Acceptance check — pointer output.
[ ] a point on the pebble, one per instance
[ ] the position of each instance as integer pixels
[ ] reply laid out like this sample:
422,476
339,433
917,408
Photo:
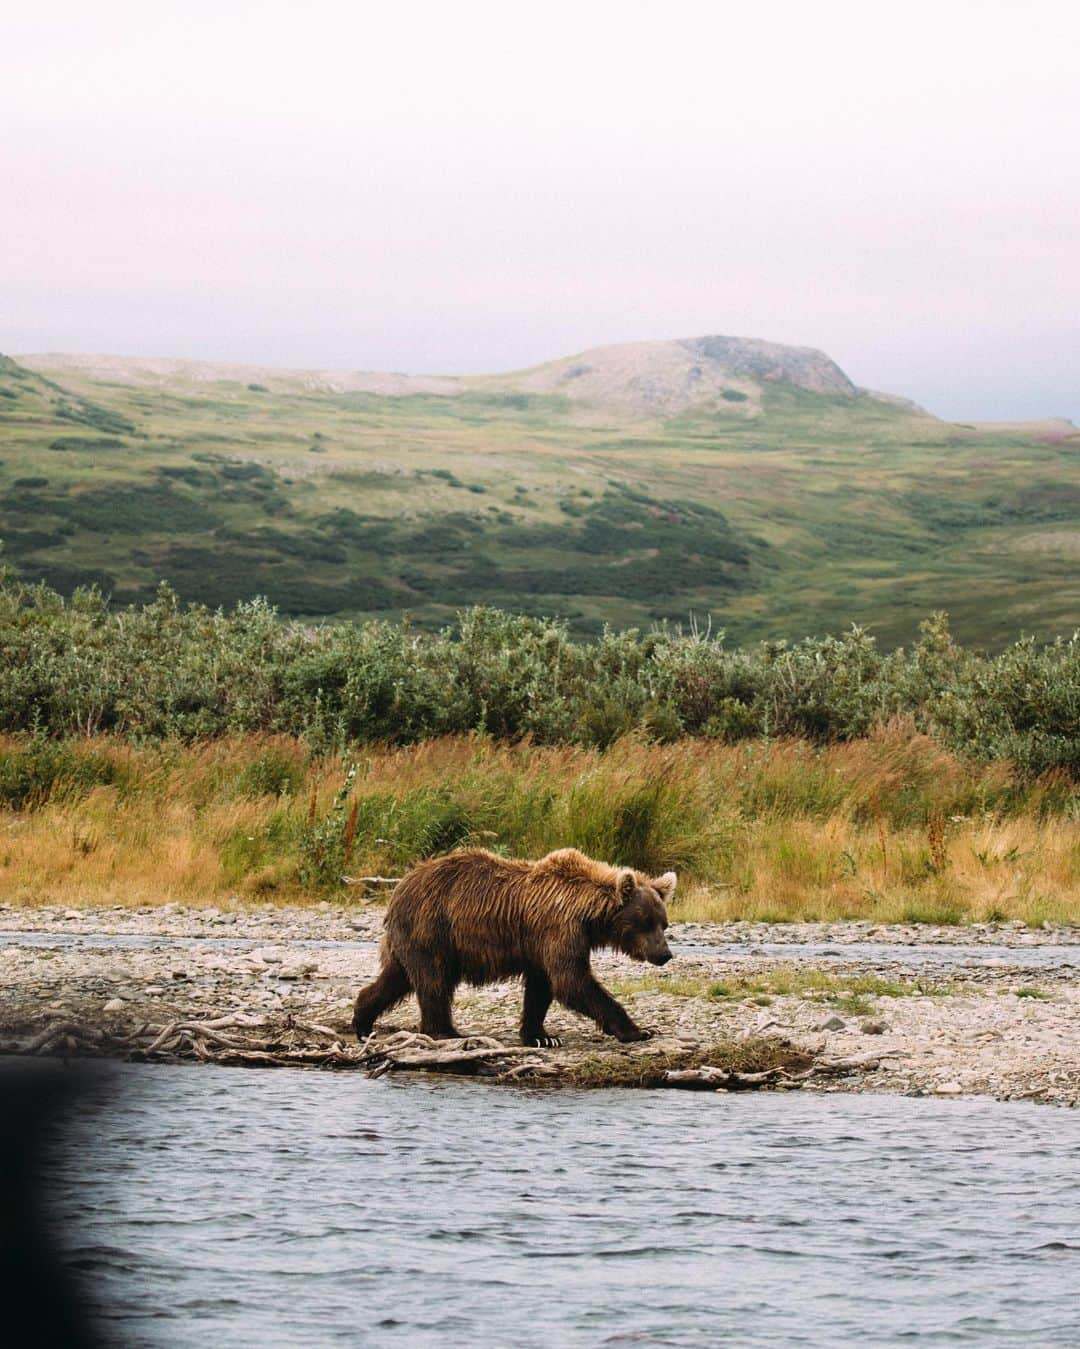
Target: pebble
153,991
297,969
948,1089
874,1028
833,1023
114,1005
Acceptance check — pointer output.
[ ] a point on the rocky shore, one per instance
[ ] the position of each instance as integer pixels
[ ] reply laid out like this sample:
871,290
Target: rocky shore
990,1010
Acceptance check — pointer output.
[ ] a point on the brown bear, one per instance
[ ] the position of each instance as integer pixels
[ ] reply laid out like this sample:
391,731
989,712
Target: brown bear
478,918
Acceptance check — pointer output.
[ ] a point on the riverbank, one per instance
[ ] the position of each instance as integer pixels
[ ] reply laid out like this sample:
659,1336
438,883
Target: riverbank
988,1010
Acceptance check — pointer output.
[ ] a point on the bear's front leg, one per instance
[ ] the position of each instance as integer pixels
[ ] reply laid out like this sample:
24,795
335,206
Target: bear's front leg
537,1002
581,991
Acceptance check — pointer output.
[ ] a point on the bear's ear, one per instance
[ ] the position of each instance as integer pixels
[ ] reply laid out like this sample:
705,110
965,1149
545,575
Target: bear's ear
625,886
665,885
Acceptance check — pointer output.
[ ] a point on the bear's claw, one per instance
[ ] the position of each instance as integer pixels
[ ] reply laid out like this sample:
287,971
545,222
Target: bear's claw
546,1042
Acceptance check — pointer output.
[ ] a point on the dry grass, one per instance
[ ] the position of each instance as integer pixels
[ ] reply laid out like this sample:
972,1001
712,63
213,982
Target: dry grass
892,828
990,869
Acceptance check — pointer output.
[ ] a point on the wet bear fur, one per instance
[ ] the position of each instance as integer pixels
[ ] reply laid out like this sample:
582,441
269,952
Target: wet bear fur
476,918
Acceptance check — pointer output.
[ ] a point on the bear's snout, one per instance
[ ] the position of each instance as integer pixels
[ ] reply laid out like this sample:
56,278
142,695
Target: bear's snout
661,957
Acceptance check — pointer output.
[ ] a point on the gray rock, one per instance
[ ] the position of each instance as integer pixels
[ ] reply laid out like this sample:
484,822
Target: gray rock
297,969
873,1027
833,1023
114,1005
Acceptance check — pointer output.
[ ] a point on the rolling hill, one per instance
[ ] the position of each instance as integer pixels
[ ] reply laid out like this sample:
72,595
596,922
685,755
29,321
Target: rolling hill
740,480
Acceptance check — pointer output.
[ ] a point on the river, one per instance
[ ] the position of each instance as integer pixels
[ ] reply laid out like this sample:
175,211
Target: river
231,1207
1045,956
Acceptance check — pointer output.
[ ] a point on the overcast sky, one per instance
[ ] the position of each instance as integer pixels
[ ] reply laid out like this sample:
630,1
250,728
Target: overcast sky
468,187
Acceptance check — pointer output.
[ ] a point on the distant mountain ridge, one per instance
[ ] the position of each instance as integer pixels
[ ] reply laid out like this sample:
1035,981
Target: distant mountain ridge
659,378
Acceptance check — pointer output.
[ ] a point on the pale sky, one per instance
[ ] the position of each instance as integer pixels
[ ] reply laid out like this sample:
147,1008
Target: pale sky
464,187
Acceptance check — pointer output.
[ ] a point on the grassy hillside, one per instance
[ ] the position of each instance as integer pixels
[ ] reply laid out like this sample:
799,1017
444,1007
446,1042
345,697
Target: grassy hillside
776,510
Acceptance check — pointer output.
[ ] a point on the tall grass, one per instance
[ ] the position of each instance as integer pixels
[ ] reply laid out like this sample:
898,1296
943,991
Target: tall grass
891,827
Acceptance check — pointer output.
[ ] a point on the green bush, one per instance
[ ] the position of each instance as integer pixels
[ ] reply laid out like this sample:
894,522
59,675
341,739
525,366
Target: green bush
163,669
87,443
44,770
271,774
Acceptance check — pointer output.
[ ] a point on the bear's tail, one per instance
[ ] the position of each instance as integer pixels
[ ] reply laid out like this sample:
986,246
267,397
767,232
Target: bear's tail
388,989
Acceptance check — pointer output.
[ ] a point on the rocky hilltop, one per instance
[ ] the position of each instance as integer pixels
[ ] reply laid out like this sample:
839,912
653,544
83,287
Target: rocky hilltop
805,367
666,378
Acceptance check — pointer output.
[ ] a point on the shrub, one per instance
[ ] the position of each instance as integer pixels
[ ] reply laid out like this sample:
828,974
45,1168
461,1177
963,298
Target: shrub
44,770
163,669
87,443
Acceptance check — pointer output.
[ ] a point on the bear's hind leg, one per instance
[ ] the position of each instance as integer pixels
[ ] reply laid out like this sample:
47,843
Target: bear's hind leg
537,1002
388,989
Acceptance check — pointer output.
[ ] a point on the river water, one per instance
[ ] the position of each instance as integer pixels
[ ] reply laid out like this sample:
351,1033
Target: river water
1050,957
232,1207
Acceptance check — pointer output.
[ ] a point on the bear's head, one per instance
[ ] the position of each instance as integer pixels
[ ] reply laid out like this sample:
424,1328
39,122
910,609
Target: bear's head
641,920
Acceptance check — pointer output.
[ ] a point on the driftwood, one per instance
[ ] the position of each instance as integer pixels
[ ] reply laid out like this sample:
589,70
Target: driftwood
411,1051
279,1043
270,1042
709,1078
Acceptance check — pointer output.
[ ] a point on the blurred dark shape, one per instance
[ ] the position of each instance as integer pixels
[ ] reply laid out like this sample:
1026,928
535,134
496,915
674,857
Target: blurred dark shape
41,1303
